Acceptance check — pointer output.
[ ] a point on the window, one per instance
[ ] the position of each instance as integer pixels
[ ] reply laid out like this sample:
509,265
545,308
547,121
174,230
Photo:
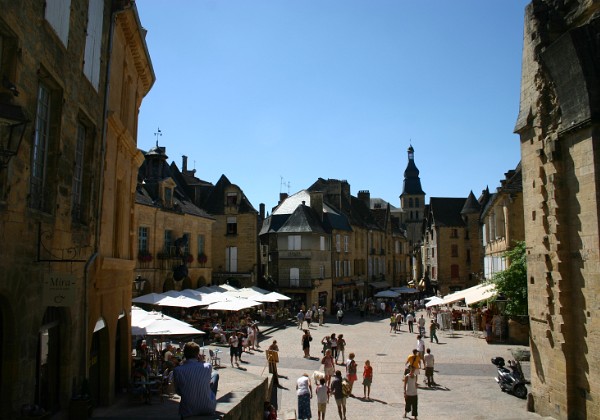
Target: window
346,242
432,252
78,172
231,259
468,255
39,152
168,241
295,277
231,226
201,243
433,273
294,242
322,243
168,197
410,202
186,246
58,14
322,271
338,245
416,202
337,268
93,42
142,239
454,233
231,199
454,250
454,271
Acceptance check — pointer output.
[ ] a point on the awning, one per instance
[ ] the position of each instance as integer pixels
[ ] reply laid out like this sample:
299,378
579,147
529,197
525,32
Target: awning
379,284
462,294
483,293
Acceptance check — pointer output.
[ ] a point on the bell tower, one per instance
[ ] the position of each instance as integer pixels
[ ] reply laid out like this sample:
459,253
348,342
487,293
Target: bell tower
412,200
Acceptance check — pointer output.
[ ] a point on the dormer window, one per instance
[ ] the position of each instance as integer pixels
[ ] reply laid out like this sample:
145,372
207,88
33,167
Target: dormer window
168,196
232,199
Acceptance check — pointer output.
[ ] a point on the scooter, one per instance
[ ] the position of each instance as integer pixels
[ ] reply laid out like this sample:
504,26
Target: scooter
511,381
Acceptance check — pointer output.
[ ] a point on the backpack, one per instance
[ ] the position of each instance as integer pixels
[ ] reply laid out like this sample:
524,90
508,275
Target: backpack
345,388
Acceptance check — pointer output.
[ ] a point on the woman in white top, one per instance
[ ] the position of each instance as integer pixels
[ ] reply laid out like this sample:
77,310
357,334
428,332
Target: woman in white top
304,392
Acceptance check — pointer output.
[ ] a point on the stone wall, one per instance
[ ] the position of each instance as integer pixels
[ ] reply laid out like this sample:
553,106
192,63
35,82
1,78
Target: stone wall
558,125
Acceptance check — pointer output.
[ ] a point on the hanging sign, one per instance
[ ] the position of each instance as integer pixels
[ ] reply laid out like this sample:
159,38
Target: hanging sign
59,289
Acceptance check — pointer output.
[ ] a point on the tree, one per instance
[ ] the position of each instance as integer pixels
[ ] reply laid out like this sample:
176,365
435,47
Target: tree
512,282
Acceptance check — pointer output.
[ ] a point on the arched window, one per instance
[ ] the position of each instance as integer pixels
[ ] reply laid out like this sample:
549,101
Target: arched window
417,202
410,202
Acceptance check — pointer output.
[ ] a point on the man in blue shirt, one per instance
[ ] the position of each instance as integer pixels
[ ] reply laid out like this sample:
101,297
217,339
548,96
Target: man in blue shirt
196,383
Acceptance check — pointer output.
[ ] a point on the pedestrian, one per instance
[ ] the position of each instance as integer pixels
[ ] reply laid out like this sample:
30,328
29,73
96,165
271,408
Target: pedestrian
326,342
304,393
433,326
420,346
300,318
429,361
233,348
306,339
367,380
393,322
321,315
410,393
272,364
323,393
410,319
333,342
414,361
308,317
196,383
398,321
328,366
338,393
351,371
421,323
340,315
341,348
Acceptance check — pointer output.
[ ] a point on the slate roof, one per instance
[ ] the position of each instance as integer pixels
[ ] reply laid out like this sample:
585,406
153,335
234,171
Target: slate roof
147,190
303,220
512,184
446,211
215,201
471,205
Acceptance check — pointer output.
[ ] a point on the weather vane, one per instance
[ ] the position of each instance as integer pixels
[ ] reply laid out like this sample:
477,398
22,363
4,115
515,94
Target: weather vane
158,134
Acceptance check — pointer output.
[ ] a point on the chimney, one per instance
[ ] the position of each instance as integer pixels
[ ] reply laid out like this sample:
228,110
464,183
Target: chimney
365,197
184,164
261,211
282,197
316,203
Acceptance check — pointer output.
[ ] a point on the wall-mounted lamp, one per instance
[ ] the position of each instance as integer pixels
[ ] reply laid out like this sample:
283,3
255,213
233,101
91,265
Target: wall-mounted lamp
12,129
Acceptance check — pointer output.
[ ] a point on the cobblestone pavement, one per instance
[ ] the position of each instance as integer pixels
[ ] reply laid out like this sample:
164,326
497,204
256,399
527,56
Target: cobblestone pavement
465,375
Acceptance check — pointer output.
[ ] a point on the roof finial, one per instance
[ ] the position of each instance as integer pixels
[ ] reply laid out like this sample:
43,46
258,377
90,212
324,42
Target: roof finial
158,134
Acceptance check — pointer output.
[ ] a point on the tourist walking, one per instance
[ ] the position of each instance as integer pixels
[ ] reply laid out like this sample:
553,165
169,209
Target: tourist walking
414,361
433,327
233,348
428,362
410,393
326,342
341,347
421,323
323,393
351,371
338,393
321,315
410,319
420,346
308,317
304,393
393,322
340,315
306,339
367,380
328,366
300,318
333,342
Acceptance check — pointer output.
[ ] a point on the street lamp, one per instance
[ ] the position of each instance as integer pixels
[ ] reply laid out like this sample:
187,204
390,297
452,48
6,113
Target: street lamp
12,128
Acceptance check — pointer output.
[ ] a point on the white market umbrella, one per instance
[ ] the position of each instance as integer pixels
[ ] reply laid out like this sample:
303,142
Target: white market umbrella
227,287
405,290
387,294
268,298
165,326
433,301
180,302
233,304
172,293
483,293
257,289
150,298
204,298
280,296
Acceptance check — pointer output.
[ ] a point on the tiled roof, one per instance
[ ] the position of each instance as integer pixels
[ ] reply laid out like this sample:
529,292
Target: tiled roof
446,211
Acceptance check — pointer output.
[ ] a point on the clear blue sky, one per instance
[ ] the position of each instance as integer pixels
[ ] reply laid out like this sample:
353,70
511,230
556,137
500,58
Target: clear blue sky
302,89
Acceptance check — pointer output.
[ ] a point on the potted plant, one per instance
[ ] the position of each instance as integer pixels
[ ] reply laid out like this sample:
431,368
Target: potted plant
144,256
202,258
189,258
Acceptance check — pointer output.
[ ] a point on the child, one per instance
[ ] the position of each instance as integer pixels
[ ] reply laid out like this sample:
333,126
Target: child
367,380
322,398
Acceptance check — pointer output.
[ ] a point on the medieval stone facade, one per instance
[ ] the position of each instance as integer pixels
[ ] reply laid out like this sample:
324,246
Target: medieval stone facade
66,196
558,124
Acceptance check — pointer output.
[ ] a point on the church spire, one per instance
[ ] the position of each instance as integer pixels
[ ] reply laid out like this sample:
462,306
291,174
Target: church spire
412,182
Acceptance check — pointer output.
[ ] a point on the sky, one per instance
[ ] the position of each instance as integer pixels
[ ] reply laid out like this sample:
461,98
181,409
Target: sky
275,94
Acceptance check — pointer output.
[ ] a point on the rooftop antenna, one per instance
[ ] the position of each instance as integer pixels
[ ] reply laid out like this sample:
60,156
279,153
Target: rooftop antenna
288,186
158,134
281,184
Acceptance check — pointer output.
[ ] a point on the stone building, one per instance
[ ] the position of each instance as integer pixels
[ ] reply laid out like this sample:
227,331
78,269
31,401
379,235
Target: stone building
452,250
65,199
502,222
558,125
174,236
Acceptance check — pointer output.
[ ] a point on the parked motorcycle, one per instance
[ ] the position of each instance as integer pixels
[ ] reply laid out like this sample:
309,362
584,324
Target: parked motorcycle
512,380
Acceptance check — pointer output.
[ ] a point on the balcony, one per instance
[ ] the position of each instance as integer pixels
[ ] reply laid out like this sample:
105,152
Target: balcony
295,254
295,284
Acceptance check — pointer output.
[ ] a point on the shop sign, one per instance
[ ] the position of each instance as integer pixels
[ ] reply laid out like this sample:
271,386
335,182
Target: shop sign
59,289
